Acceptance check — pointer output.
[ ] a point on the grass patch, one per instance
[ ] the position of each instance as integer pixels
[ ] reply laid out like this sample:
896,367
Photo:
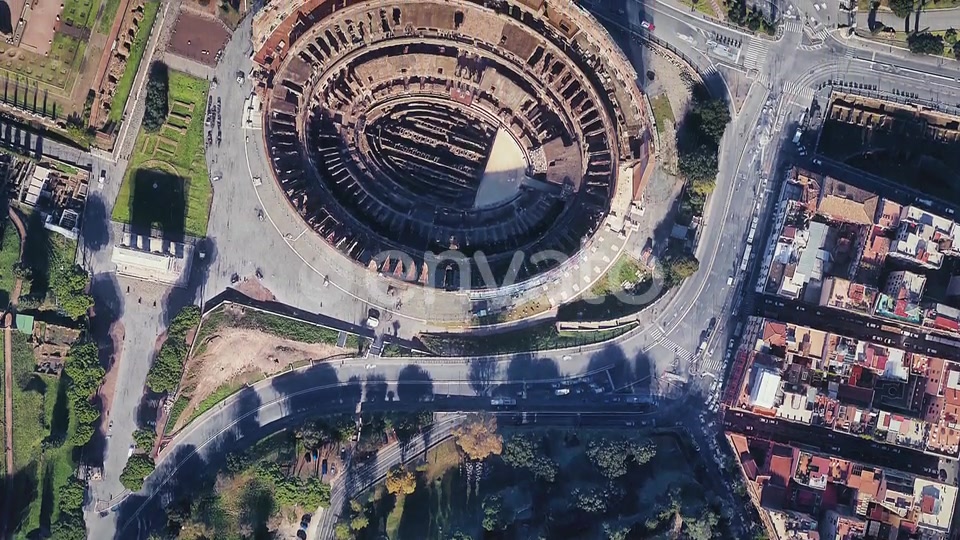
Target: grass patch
537,338
703,6
30,391
64,168
178,169
662,112
286,328
80,13
137,49
224,391
179,406
107,16
9,256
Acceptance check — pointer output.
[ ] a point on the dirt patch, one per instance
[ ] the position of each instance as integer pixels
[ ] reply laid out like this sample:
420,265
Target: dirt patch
237,356
44,21
110,381
254,289
198,38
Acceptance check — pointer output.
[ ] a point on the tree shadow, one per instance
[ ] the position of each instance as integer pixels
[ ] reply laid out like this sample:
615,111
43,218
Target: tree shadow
36,255
46,499
375,389
482,372
414,384
108,308
525,367
17,491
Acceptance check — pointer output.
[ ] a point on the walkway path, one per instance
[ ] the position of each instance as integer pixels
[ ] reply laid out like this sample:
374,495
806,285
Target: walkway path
8,366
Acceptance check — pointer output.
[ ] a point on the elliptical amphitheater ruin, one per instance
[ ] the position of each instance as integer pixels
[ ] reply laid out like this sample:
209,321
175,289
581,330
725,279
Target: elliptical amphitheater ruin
414,136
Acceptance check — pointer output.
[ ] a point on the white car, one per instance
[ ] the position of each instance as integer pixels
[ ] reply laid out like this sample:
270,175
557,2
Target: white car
103,176
130,451
370,366
566,357
816,7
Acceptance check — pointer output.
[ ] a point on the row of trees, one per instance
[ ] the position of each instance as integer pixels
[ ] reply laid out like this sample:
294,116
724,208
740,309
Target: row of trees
156,104
749,16
523,452
84,375
699,144
138,467
165,373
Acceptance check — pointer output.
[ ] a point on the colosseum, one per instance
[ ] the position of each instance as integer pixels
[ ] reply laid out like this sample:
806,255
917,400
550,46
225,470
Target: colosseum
430,139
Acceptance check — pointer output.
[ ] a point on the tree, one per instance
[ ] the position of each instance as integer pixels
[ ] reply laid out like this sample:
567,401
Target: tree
519,452
712,116
138,467
71,496
84,371
901,8
493,513
950,36
925,43
342,531
679,266
360,522
611,456
81,435
698,164
164,374
701,528
145,439
69,285
614,532
591,501
400,481
70,528
156,104
477,436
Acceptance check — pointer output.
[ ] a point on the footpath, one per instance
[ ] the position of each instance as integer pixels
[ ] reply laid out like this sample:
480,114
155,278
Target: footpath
8,366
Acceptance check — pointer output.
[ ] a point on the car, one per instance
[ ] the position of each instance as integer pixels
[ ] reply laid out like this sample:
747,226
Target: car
561,391
566,357
629,423
555,385
259,274
373,318
260,215
818,162
240,77
103,176
234,278
647,26
217,177
131,450
326,281
370,366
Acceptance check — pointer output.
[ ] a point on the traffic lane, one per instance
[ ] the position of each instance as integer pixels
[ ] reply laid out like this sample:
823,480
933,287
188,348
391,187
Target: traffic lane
827,441
850,324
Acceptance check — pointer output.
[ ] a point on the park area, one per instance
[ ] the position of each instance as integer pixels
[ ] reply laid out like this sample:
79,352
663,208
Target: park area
536,483
166,186
236,346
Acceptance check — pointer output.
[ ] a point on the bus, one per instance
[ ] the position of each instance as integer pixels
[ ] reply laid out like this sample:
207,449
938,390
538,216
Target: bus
891,329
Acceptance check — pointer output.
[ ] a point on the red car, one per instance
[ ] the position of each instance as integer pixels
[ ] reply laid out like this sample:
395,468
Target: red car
647,26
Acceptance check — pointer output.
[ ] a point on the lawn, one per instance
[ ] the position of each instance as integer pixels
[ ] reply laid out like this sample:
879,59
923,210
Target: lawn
30,392
9,255
58,70
170,189
56,465
80,13
106,18
119,102
662,112
703,6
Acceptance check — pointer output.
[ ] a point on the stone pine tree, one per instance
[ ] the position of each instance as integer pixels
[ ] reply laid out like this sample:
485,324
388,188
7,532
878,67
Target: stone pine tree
156,105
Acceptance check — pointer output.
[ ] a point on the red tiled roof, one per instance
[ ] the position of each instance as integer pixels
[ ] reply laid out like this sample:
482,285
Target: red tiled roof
945,323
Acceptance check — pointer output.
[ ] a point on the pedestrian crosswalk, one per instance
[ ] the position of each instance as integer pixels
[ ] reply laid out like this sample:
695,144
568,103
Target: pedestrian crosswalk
797,90
793,26
821,34
755,54
709,71
668,344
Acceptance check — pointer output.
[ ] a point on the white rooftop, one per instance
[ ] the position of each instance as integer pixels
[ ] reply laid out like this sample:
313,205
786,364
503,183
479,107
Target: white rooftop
766,383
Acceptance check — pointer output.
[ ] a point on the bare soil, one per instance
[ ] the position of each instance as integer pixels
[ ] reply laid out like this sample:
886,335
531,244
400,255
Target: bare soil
254,289
110,380
239,355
